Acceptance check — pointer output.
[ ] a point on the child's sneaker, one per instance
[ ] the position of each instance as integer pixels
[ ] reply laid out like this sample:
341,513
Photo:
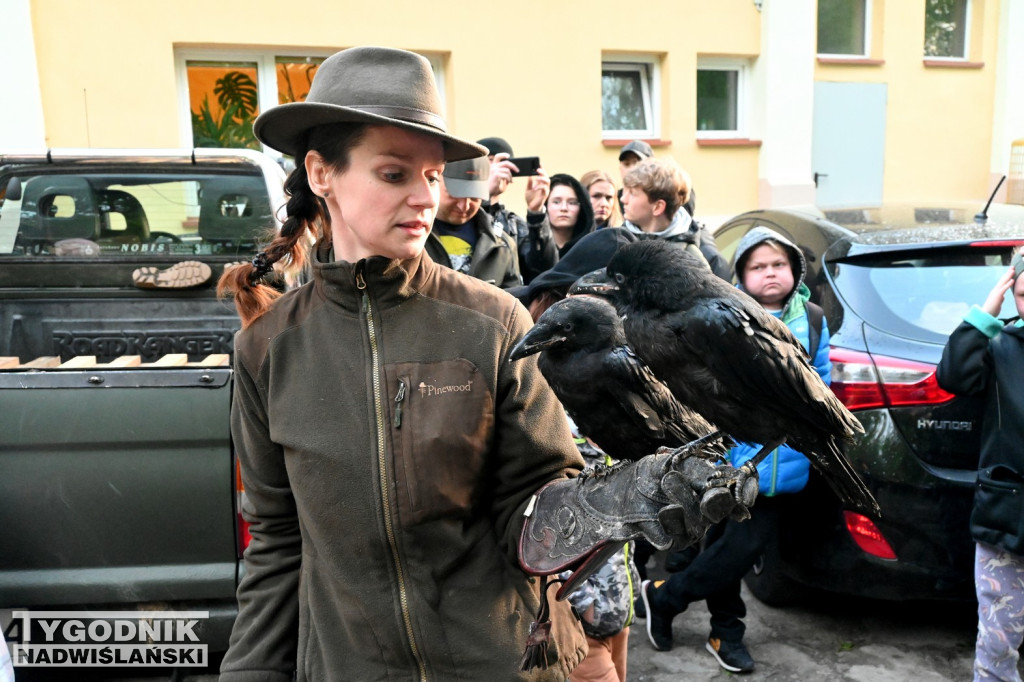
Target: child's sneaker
183,275
733,656
659,623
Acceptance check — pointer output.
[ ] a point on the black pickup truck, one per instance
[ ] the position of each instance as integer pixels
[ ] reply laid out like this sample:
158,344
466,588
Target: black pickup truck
118,484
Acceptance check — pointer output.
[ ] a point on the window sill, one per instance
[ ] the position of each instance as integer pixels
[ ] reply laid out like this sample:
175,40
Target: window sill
953,64
727,142
624,141
852,61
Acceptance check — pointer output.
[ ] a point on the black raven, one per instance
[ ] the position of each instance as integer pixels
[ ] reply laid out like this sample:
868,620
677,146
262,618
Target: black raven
724,356
612,396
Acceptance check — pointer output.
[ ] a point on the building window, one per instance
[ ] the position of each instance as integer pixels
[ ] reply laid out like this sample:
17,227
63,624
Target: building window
945,28
843,27
294,76
721,97
629,99
223,103
222,92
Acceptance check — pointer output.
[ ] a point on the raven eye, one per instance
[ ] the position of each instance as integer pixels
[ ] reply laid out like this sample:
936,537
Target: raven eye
620,278
567,326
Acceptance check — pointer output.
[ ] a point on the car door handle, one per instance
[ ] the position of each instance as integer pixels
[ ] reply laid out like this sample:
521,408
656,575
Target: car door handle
819,175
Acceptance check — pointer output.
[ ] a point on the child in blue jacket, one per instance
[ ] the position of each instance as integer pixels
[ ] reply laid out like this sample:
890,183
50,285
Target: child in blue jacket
771,269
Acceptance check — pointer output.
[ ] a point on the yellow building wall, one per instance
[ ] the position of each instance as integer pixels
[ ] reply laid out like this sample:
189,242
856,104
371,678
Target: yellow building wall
529,72
939,119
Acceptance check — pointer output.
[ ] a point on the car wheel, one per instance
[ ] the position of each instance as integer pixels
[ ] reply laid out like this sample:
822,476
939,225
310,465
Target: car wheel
767,582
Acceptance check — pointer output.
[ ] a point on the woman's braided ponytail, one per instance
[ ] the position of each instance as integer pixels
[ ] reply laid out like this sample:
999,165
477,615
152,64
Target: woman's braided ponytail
306,214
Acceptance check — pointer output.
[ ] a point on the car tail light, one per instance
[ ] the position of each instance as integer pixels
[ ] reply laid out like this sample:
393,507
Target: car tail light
867,536
1000,243
863,381
244,536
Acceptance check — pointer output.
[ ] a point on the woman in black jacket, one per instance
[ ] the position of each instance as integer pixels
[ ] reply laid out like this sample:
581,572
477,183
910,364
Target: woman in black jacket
569,212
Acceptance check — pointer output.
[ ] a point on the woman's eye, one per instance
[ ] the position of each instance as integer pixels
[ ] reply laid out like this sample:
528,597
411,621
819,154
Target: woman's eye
392,176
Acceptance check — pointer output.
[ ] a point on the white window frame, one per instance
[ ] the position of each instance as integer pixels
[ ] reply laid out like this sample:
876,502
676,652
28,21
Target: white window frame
968,11
266,68
649,68
867,38
743,98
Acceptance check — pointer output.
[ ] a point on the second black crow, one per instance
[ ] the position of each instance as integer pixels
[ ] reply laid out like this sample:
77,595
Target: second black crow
610,394
724,356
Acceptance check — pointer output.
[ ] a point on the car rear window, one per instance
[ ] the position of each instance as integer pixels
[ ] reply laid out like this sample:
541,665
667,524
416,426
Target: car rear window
921,294
123,214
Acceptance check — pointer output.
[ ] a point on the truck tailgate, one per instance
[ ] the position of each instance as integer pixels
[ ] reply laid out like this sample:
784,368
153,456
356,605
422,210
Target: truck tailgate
116,484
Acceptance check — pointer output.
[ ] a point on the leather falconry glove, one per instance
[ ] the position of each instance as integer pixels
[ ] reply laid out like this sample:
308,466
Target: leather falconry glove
576,524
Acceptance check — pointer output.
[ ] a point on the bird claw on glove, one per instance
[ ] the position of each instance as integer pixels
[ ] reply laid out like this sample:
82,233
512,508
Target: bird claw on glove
730,493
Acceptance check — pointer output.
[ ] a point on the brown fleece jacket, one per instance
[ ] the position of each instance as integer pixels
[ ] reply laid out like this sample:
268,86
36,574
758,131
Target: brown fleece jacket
388,450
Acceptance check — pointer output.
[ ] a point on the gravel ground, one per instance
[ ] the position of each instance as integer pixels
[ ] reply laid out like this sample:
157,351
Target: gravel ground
825,638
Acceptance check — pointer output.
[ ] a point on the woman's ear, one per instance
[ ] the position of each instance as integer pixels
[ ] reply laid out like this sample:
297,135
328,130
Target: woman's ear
318,173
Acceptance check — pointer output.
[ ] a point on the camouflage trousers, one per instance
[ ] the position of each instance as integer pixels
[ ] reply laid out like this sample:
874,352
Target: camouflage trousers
999,581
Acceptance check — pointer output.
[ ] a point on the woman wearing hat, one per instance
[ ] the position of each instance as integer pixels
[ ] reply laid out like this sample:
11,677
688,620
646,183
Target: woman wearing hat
388,447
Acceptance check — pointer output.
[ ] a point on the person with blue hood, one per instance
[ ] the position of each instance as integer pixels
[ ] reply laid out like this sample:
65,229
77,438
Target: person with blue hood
771,269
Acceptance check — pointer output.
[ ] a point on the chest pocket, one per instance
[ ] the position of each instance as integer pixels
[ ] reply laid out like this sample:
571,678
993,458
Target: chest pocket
442,419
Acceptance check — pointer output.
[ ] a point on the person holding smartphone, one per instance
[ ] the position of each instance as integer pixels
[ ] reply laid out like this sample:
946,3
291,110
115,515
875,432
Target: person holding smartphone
537,251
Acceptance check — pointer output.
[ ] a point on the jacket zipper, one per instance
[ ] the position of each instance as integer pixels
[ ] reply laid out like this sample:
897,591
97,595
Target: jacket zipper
403,595
399,399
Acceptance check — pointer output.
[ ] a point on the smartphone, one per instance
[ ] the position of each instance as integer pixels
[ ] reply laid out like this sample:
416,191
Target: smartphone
527,165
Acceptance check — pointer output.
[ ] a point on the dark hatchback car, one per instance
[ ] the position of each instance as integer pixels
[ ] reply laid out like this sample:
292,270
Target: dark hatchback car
894,282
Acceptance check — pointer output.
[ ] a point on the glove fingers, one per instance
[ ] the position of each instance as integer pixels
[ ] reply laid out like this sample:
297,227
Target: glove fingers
746,491
655,532
683,522
677,488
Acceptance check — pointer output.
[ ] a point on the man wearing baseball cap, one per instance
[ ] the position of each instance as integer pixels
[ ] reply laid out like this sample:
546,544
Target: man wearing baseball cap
633,153
465,238
630,155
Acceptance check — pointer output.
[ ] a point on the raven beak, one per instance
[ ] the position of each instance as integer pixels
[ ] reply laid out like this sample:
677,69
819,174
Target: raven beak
595,283
535,341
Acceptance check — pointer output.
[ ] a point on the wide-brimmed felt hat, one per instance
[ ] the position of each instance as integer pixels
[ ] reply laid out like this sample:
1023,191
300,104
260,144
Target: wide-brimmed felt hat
377,85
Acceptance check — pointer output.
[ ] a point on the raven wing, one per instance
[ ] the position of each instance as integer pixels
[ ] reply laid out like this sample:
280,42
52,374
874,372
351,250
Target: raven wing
651,403
755,359
753,355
